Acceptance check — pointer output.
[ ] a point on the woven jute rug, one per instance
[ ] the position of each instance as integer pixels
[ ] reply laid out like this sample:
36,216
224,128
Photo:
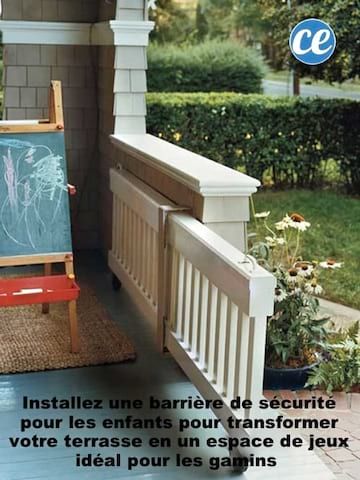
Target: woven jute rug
31,341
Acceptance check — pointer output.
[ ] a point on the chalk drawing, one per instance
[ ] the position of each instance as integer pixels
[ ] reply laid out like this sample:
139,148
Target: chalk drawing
33,177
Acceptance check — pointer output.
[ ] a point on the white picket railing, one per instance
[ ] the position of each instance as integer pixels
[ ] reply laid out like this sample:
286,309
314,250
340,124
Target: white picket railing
134,256
219,300
135,235
213,299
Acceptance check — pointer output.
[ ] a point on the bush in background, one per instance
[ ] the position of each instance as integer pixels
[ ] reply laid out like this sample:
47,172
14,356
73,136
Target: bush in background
172,22
208,67
350,162
282,141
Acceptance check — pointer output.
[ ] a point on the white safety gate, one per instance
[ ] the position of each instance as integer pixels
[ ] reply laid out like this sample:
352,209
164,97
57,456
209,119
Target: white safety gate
206,302
204,299
219,303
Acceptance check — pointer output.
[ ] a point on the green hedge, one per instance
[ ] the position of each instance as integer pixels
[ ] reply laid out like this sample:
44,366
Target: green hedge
208,67
285,141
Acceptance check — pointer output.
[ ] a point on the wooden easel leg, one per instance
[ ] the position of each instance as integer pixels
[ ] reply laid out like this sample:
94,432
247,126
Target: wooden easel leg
47,273
74,334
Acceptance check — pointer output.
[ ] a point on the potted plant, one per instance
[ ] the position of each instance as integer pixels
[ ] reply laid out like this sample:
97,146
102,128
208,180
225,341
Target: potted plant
295,333
339,368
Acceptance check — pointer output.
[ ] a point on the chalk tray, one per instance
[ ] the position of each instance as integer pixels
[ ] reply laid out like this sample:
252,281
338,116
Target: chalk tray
33,290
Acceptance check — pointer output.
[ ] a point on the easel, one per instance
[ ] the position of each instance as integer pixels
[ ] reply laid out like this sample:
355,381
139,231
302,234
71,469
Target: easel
43,289
53,124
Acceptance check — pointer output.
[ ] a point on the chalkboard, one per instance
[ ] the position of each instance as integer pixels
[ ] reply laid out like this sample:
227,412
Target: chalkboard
34,201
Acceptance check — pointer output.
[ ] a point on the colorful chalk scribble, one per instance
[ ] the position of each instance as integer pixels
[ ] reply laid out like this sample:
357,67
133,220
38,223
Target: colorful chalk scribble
10,179
33,177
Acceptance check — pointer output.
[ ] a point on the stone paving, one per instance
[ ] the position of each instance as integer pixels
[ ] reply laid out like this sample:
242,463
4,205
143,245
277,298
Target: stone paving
341,315
344,462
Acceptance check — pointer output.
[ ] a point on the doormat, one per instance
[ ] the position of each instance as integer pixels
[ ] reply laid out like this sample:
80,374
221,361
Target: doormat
31,341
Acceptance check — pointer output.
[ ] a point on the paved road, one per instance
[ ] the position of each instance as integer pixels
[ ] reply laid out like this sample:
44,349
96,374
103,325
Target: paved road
272,87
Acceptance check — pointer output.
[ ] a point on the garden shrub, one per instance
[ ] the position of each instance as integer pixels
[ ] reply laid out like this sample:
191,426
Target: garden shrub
283,141
350,161
208,67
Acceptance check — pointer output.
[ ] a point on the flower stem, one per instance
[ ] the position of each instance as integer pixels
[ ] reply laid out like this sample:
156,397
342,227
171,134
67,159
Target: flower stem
269,229
253,211
297,246
287,249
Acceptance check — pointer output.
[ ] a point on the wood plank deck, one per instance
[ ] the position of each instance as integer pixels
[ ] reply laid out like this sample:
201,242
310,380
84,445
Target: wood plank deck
150,374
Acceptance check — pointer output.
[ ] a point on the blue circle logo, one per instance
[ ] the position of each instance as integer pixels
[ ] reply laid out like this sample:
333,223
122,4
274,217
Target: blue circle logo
312,41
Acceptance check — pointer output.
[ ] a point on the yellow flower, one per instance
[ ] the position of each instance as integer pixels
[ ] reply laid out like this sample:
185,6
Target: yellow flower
160,135
248,136
177,136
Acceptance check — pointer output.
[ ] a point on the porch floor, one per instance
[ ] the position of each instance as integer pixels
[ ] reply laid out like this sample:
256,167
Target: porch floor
151,374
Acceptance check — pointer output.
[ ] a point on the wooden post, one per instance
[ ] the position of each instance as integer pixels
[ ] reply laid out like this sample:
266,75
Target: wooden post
56,115
296,83
74,336
47,273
